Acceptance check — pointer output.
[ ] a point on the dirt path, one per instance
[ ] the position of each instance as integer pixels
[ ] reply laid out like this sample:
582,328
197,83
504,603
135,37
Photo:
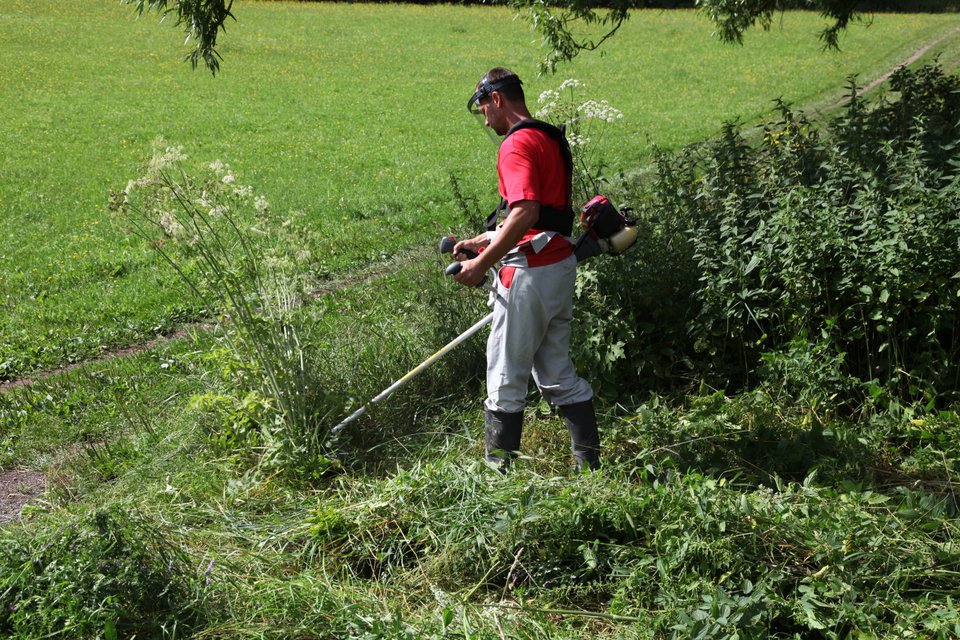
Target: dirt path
178,333
106,357
16,489
886,76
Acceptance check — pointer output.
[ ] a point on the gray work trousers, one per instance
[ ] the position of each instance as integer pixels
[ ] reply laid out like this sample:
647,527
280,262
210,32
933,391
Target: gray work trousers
530,333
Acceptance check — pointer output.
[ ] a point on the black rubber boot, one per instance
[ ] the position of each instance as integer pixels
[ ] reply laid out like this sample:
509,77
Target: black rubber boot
503,436
581,422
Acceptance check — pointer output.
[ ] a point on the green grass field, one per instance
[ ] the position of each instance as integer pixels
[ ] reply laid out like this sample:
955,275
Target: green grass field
351,114
162,517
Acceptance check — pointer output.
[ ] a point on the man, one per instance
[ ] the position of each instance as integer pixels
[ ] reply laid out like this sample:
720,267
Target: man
533,301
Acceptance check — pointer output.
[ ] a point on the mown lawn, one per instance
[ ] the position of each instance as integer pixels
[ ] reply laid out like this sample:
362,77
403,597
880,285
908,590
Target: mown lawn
352,114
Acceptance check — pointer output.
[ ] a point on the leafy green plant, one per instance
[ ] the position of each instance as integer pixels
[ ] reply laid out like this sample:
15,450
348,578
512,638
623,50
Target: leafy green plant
631,314
845,238
235,423
106,575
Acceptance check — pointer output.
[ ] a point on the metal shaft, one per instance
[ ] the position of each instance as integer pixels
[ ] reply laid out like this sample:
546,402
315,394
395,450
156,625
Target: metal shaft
414,372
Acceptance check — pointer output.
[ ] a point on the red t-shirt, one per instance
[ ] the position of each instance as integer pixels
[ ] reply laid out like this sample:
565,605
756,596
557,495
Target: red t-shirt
530,167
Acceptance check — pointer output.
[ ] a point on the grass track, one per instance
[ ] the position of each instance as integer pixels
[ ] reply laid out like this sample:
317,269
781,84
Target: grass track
353,114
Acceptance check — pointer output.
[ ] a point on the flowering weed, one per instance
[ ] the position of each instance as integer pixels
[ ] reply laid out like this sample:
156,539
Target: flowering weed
241,262
585,122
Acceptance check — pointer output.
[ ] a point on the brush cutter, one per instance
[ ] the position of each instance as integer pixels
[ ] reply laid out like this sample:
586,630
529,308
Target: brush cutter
605,230
446,246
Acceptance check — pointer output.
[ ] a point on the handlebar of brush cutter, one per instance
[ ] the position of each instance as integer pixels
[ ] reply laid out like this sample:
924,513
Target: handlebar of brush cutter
446,246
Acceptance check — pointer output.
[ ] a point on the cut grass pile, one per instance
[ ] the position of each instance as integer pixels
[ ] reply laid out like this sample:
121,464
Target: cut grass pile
713,516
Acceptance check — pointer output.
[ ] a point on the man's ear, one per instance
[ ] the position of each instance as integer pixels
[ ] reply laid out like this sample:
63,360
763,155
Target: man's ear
497,99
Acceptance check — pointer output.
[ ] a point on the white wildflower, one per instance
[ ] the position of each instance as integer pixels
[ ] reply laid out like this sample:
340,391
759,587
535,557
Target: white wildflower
217,211
577,140
547,110
548,96
243,191
169,224
218,167
570,83
162,161
591,109
260,205
137,184
228,179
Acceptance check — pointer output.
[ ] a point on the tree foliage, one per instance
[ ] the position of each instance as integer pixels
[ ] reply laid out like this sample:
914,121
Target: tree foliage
202,20
567,26
558,20
734,17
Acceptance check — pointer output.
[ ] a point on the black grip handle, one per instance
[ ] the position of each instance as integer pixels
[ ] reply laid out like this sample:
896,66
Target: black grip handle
449,242
446,246
454,268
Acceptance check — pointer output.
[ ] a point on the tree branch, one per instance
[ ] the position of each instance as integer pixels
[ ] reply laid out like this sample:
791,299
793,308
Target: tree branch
202,20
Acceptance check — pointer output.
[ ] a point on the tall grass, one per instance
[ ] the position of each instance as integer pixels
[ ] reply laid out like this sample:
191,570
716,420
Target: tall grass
242,262
286,370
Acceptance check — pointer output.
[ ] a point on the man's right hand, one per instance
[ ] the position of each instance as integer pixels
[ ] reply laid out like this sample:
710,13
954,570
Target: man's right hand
475,245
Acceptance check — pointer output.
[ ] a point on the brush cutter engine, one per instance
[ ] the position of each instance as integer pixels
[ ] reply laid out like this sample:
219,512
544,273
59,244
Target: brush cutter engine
606,229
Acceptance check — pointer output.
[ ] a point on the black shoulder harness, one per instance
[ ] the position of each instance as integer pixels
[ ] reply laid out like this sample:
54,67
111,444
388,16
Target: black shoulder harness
551,219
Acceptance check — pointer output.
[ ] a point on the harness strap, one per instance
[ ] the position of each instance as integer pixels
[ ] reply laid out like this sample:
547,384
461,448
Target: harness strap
551,218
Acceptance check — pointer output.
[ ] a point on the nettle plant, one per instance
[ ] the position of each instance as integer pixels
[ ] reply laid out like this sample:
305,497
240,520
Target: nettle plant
241,261
585,122
820,260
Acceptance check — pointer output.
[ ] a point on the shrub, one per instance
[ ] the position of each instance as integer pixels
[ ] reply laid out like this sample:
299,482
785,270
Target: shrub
846,238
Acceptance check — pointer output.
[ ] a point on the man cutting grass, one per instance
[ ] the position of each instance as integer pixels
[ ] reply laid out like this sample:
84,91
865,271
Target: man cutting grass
529,236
